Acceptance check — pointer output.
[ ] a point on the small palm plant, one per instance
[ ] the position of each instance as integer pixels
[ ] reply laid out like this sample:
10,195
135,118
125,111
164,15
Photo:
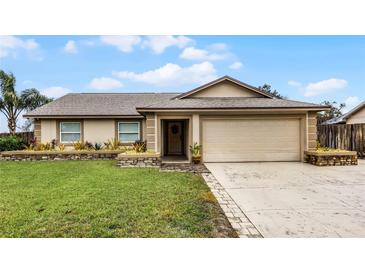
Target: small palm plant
195,150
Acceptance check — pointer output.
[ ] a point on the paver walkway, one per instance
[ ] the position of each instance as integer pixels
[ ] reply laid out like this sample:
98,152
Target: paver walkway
238,220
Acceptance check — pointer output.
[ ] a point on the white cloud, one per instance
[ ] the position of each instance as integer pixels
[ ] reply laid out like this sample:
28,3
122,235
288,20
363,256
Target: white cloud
70,47
158,43
351,102
325,86
55,92
89,43
218,47
105,83
235,65
192,53
10,44
123,43
172,74
294,83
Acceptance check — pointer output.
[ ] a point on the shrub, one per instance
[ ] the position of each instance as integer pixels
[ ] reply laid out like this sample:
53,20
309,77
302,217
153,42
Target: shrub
140,146
43,147
98,146
61,147
88,145
53,144
79,145
11,142
30,147
112,144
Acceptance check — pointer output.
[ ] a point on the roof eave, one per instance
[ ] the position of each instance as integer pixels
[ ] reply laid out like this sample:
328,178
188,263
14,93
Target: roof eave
81,116
232,109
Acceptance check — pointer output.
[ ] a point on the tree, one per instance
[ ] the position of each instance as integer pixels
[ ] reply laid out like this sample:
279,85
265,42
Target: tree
275,93
12,103
334,111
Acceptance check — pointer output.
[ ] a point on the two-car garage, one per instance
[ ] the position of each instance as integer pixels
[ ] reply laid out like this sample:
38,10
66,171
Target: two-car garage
250,140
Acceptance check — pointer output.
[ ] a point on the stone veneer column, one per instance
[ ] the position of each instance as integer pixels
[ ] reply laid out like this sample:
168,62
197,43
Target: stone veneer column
37,130
312,130
151,131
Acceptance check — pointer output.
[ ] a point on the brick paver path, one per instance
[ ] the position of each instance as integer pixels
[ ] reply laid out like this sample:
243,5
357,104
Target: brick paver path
239,221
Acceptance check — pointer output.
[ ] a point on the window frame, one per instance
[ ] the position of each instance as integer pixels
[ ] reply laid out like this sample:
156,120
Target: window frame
69,142
138,131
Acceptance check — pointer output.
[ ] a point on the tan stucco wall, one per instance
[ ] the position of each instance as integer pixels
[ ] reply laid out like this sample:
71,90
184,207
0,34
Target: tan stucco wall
92,130
195,128
99,130
357,118
308,129
48,130
226,89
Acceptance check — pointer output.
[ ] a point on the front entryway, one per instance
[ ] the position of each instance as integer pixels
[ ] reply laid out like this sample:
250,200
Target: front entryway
174,138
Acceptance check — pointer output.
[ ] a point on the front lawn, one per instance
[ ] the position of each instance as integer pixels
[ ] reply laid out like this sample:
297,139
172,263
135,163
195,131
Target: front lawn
98,199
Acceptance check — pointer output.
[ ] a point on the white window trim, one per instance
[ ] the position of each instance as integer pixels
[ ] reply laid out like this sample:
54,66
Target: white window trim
70,142
139,131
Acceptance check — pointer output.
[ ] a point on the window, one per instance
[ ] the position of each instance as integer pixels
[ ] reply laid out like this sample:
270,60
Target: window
70,132
128,132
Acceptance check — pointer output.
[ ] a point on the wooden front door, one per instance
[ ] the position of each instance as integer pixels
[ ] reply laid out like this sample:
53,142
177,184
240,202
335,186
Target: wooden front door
174,138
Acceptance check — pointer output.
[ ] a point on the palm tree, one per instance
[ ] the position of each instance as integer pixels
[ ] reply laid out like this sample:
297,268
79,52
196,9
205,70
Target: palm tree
12,104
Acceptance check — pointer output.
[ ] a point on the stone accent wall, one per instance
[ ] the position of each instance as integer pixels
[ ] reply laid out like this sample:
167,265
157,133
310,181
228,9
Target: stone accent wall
331,160
139,160
54,155
151,131
37,130
312,130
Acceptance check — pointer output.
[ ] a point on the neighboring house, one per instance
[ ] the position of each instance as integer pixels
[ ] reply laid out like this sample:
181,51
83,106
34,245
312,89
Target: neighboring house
233,121
354,116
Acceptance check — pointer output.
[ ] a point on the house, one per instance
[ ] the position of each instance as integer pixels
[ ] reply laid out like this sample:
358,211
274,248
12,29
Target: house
233,121
354,116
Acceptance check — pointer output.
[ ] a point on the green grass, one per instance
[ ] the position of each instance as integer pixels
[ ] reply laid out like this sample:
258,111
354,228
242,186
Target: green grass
98,199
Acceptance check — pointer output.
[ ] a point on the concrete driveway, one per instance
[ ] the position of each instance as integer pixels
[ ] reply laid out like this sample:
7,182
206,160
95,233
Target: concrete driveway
297,199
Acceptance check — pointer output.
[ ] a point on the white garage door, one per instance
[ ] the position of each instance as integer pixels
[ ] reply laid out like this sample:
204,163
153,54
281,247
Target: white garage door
230,140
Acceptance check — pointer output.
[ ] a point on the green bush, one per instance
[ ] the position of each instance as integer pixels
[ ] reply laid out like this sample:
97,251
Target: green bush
140,146
11,142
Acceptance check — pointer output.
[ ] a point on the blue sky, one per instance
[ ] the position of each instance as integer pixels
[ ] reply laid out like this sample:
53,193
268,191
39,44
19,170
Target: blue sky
306,68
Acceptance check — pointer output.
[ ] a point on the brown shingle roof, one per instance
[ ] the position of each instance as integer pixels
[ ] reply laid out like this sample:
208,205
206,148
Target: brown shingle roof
228,103
99,104
128,104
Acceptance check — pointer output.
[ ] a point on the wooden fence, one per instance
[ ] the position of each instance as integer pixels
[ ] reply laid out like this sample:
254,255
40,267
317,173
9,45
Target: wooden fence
26,136
349,137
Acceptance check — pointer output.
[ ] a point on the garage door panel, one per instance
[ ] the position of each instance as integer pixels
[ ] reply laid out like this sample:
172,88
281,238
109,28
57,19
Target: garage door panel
251,140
